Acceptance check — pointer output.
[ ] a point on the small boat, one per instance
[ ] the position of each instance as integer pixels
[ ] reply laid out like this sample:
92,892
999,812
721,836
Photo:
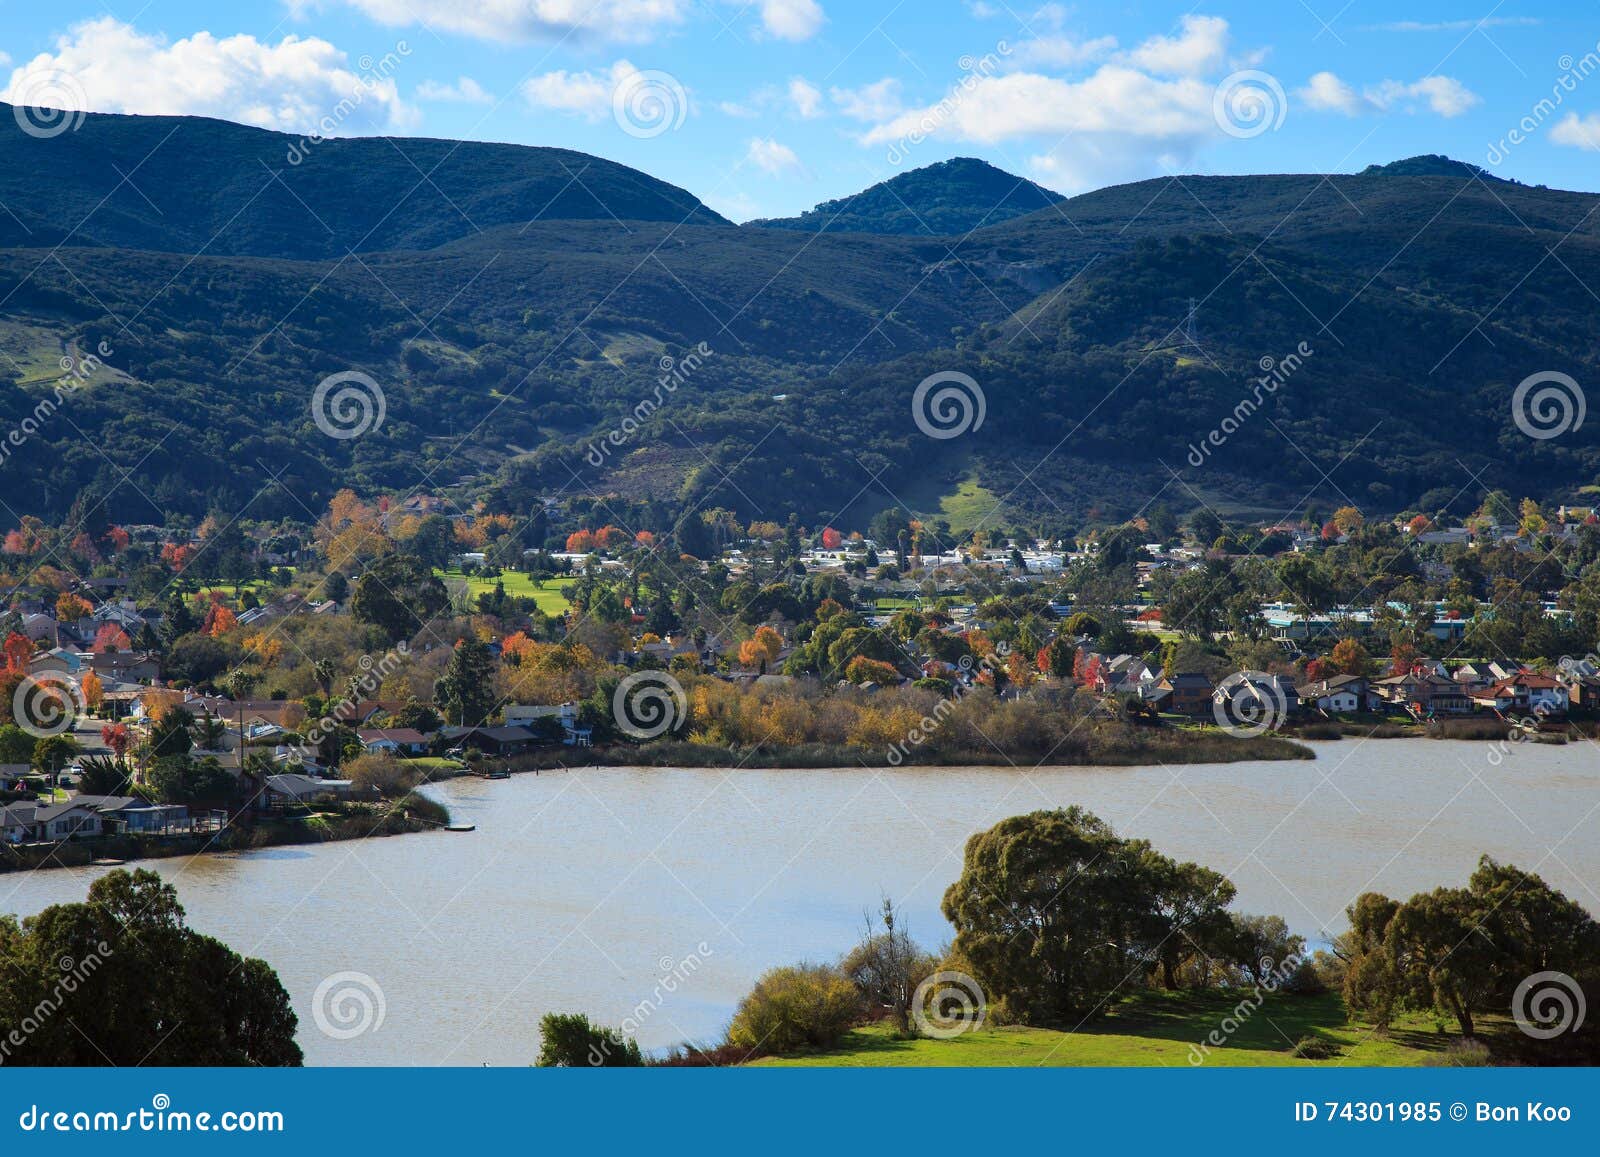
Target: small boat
502,774
460,827
108,863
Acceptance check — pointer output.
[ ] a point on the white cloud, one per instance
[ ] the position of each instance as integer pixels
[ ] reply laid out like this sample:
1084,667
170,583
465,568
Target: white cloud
1200,48
806,98
1327,93
1444,95
1061,52
297,85
585,94
1578,132
463,91
519,20
791,19
1456,25
871,103
773,158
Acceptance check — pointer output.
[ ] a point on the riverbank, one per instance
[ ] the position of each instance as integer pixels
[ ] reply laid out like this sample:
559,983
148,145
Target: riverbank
411,814
1147,746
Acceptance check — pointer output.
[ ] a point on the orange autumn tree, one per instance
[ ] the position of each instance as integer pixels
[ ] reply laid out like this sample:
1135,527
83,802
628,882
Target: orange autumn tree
831,538
219,620
111,637
93,690
70,608
761,650
18,652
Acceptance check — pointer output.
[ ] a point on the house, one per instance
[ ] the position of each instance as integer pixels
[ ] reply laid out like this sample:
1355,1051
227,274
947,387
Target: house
492,740
1271,693
290,787
17,823
1428,693
1526,693
395,740
1340,695
573,733
66,821
124,666
1191,693
135,816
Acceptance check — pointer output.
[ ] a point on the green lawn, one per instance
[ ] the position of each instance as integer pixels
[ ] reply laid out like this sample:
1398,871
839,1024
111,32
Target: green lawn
551,594
1155,1029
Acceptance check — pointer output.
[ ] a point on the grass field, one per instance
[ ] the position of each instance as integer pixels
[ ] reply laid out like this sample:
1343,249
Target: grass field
551,595
1158,1029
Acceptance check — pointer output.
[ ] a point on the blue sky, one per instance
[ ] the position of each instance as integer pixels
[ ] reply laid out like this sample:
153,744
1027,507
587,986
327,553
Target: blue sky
766,108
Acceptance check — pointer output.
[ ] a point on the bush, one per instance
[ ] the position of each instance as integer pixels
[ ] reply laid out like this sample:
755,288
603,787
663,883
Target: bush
1314,1048
1461,1054
803,1006
1305,980
569,1041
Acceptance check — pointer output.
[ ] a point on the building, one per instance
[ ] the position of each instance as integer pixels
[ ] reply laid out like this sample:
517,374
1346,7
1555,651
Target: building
395,740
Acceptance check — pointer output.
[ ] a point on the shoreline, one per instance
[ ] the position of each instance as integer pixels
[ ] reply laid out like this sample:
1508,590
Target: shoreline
402,819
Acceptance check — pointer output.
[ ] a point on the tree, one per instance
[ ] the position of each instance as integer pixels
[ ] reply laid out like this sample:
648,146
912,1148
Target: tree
803,1006
569,1040
172,733
887,966
399,594
466,689
53,752
1349,657
761,650
156,992
103,775
1348,519
1048,910
16,745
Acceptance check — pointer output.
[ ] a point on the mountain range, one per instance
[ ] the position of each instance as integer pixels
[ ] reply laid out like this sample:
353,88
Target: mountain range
516,306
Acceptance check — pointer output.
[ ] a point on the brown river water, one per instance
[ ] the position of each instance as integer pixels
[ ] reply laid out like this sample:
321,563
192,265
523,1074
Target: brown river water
654,897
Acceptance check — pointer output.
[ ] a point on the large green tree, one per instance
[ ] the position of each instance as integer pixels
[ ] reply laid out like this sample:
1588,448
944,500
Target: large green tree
399,594
121,980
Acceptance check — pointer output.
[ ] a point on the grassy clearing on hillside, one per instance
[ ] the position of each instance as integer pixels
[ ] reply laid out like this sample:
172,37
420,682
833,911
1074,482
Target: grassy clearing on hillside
551,594
1158,1029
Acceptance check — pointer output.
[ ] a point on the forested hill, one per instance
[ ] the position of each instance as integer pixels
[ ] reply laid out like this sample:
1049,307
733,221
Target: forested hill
949,198
516,304
187,184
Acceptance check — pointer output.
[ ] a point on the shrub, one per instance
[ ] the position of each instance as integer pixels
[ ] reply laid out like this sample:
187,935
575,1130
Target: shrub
569,1041
1461,1054
1305,980
805,1005
1314,1048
